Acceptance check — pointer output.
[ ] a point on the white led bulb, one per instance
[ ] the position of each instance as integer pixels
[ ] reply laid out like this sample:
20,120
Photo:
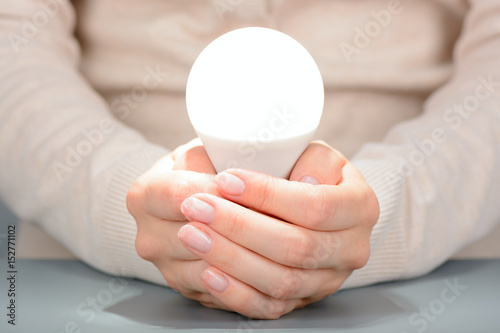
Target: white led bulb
255,97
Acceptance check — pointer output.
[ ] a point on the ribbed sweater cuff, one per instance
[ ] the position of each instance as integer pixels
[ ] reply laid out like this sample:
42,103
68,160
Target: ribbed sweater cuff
118,228
388,257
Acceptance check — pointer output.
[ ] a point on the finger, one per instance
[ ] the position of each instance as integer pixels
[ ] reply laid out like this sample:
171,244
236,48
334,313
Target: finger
317,207
193,157
244,299
319,164
282,242
184,276
152,247
267,276
165,191
209,301
180,150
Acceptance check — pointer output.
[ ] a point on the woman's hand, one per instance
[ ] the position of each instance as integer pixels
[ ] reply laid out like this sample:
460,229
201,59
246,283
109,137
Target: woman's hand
275,245
154,201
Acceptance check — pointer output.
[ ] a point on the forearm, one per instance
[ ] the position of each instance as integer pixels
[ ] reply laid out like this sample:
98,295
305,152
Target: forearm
66,163
436,176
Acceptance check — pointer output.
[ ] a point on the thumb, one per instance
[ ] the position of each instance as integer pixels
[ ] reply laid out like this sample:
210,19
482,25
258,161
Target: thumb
192,156
319,164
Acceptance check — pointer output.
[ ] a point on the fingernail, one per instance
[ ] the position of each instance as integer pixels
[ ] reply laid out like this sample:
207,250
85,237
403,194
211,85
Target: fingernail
309,179
214,280
229,183
198,210
195,238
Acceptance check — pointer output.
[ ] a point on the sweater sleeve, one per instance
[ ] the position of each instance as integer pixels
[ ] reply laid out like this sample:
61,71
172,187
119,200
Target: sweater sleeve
66,162
437,177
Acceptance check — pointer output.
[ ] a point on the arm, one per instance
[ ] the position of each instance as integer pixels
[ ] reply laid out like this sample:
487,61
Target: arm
65,162
436,177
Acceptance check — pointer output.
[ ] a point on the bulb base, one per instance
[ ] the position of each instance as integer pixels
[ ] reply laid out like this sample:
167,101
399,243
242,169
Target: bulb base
275,157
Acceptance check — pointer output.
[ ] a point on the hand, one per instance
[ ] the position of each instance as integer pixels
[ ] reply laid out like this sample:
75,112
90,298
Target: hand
296,244
154,201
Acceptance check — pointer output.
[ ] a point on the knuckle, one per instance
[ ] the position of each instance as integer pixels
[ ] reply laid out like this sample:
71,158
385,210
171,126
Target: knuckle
362,256
333,285
263,197
135,198
179,190
374,207
287,286
148,247
173,283
207,304
184,184
267,308
243,305
251,306
371,211
332,246
237,226
262,308
300,248
324,251
320,209
276,309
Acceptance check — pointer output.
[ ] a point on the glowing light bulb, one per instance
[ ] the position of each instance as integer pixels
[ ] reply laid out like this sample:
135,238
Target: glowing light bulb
255,97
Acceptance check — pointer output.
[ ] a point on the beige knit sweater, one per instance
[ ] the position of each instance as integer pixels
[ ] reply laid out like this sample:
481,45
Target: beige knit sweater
412,97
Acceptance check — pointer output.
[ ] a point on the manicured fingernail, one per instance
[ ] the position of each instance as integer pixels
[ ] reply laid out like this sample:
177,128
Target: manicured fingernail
198,210
214,280
309,179
230,183
195,238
